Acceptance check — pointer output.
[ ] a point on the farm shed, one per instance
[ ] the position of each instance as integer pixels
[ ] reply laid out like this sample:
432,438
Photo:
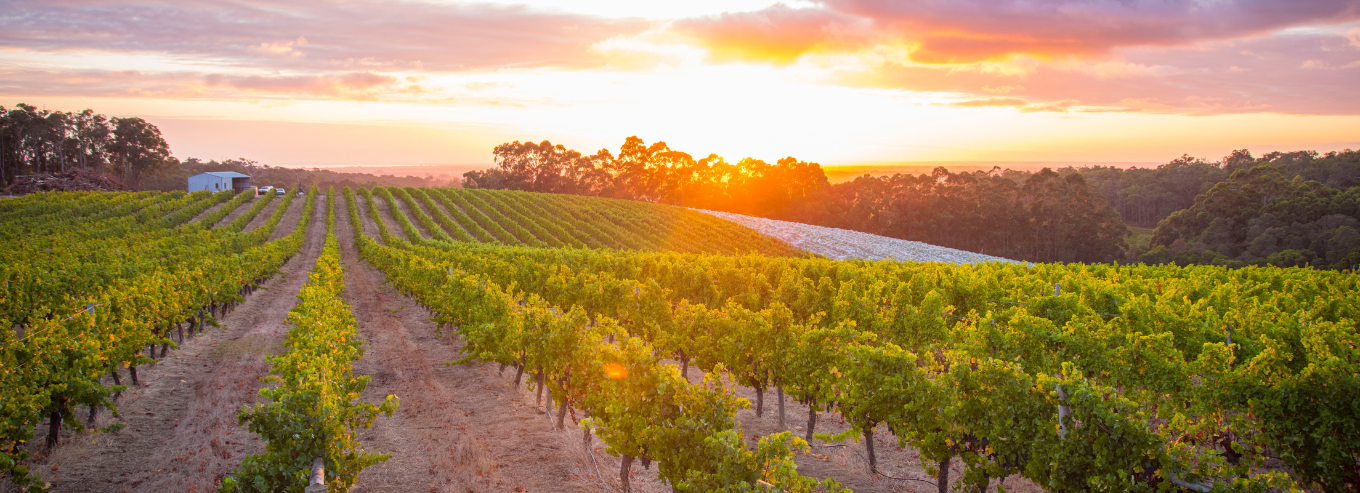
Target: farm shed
217,181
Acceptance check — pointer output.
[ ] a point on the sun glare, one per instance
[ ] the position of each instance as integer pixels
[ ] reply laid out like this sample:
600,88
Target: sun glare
615,371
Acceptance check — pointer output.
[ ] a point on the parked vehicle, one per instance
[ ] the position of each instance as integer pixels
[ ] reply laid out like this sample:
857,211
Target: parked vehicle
280,191
265,189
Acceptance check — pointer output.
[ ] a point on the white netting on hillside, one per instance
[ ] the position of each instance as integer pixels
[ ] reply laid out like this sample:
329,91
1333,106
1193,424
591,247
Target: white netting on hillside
841,244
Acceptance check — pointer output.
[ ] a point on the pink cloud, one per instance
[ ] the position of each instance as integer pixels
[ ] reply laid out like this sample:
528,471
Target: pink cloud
1295,74
323,35
190,85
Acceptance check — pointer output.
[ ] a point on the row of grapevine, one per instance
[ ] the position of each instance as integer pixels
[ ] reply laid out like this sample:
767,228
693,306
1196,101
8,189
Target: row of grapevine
496,231
315,410
408,229
652,414
541,225
211,219
1189,376
454,231
584,234
546,220
532,227
456,214
116,296
522,235
435,231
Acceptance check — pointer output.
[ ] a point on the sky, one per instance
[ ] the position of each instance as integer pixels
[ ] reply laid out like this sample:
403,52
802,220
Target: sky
373,82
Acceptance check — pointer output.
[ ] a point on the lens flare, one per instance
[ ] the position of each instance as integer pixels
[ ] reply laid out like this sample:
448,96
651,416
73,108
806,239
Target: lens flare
615,371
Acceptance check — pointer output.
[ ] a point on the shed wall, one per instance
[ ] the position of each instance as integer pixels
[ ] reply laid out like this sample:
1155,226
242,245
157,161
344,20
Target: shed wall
206,182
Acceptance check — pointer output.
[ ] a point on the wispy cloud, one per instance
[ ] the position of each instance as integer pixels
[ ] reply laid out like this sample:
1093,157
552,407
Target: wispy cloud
1024,106
322,35
353,85
979,103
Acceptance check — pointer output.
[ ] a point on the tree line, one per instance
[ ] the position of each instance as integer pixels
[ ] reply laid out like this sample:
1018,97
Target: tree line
34,141
1262,216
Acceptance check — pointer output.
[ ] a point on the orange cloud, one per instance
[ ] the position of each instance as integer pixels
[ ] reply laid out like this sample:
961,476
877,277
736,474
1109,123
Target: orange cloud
778,34
971,31
975,103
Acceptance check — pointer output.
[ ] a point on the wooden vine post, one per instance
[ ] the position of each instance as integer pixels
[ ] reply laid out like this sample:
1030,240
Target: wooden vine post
316,481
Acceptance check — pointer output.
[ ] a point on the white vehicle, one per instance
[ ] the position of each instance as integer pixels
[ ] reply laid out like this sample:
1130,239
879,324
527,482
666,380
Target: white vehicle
265,189
279,191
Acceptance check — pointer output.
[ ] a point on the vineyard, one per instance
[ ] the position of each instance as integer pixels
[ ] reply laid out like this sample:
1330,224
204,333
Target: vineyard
637,325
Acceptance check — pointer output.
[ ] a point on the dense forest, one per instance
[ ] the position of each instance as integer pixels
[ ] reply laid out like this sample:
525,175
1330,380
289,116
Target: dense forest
1262,216
1069,214
35,141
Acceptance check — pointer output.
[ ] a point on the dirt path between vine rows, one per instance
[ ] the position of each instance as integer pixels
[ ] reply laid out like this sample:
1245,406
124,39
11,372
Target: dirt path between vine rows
459,427
179,426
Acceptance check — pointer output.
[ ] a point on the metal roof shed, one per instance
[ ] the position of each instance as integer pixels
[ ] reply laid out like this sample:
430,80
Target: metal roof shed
217,181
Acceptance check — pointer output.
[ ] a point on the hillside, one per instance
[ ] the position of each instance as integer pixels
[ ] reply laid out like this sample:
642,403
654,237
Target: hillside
557,221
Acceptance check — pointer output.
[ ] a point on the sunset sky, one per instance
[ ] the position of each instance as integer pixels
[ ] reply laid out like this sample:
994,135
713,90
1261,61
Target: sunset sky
837,81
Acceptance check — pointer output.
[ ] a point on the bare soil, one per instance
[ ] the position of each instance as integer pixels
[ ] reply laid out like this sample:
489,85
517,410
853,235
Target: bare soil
370,228
459,427
290,218
179,426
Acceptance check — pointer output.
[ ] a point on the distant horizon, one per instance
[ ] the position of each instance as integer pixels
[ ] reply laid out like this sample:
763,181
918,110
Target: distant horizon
835,167
824,165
